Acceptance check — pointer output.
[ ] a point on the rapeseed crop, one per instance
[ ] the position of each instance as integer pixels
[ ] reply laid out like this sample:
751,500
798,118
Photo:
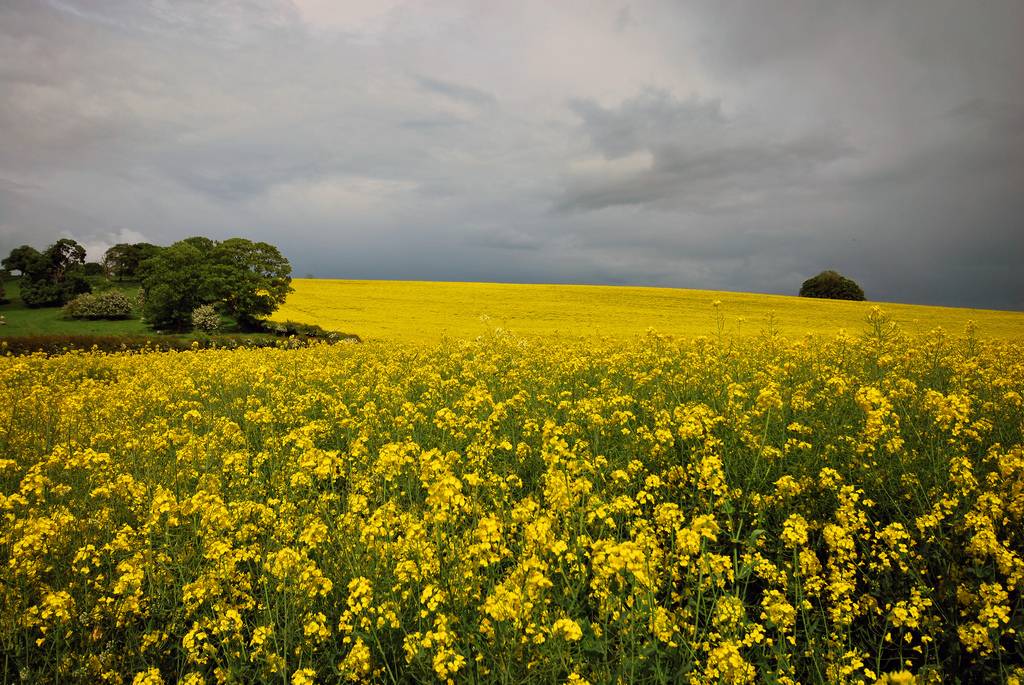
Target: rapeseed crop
843,509
427,312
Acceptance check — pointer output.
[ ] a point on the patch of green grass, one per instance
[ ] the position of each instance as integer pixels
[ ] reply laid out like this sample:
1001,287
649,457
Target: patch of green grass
22,320
50,321
27,330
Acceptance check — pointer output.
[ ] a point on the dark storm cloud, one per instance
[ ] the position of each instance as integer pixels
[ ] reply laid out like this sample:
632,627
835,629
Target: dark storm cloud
701,159
652,119
706,144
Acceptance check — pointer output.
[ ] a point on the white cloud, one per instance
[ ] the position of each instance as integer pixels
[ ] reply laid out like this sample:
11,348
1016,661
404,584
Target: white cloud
97,244
340,197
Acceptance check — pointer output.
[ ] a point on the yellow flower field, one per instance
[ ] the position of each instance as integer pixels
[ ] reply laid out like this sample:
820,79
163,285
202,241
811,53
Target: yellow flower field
427,311
843,509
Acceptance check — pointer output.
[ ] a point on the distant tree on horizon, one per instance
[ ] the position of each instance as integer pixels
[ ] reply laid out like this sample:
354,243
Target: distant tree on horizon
833,286
94,269
19,259
122,261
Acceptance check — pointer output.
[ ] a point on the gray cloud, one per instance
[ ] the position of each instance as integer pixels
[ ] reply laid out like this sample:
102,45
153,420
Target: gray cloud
700,159
708,144
455,91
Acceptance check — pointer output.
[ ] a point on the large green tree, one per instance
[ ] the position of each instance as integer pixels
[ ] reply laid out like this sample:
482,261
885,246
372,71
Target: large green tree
246,280
249,279
52,277
20,258
122,261
64,256
175,282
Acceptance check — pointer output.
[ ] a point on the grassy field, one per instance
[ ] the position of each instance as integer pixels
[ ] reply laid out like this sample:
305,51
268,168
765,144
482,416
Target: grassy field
47,328
428,311
21,320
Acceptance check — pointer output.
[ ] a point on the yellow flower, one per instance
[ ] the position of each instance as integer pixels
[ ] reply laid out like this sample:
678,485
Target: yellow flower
726,664
567,629
304,676
150,676
778,610
357,664
794,531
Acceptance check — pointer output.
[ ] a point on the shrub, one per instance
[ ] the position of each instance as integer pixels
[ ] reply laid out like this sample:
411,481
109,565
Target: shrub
58,344
112,304
205,318
303,330
833,286
40,293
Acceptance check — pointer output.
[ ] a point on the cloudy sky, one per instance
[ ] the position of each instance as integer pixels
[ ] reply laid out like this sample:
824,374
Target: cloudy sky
716,144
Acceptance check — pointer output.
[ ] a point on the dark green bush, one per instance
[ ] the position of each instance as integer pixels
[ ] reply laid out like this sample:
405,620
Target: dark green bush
303,330
93,269
41,293
60,344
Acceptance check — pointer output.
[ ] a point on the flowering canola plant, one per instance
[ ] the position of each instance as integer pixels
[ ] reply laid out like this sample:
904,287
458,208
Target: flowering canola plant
426,312
712,510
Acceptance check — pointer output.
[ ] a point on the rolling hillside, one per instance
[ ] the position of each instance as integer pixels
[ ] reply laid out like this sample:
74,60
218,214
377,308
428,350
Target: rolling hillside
427,311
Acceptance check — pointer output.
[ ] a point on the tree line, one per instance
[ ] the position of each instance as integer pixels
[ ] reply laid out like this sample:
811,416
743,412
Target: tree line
196,280
237,277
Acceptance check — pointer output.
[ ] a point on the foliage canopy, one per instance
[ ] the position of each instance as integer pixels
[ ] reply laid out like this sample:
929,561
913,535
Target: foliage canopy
174,285
244,279
122,261
250,280
52,277
833,286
